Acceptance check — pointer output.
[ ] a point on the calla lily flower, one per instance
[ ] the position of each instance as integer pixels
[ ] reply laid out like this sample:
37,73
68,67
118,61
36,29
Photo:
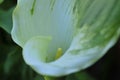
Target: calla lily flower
60,37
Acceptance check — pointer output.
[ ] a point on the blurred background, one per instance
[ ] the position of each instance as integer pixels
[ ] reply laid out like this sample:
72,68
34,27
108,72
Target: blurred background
13,67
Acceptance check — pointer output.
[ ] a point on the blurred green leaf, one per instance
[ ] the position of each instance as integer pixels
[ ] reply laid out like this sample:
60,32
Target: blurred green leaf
12,59
6,19
1,1
12,66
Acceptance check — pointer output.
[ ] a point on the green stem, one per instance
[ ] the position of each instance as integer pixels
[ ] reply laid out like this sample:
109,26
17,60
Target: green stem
51,78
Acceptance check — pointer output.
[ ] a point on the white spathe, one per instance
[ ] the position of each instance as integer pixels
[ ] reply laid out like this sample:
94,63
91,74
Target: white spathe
40,27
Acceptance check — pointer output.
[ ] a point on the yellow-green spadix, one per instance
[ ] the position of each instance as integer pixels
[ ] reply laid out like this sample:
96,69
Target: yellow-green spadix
60,37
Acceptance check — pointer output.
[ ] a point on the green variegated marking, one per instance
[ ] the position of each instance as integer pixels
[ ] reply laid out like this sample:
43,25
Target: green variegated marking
33,6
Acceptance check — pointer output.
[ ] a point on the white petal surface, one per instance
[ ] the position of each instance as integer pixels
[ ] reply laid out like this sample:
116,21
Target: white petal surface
48,18
85,30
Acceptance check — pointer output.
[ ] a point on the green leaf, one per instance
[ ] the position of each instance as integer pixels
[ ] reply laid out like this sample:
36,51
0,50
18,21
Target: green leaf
6,20
12,59
79,76
83,30
1,1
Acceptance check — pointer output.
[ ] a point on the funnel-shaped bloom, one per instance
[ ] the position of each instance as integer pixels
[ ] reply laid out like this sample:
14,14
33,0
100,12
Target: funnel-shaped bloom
80,30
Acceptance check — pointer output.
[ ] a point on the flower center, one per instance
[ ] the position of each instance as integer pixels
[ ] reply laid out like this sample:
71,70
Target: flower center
59,53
